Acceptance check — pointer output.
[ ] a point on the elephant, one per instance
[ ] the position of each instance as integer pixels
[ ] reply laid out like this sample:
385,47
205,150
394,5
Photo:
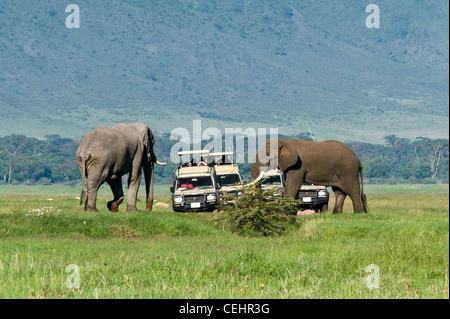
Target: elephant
106,154
328,163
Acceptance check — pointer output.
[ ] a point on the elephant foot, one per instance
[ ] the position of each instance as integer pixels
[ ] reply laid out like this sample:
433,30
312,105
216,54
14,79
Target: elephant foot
113,206
131,208
90,209
149,206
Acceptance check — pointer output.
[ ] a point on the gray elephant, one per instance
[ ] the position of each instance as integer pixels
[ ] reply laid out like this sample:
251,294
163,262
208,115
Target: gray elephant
328,163
106,154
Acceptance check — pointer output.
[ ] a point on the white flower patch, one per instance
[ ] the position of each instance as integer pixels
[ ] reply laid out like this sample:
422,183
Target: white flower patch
39,212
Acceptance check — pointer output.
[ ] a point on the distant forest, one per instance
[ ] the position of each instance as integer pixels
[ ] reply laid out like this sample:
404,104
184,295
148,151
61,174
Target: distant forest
32,161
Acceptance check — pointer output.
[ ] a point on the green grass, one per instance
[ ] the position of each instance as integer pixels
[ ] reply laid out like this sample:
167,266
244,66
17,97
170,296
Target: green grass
66,190
162,254
377,189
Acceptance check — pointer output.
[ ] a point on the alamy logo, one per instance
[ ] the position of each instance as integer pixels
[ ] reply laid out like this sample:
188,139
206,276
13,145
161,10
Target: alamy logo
373,280
73,19
373,19
234,140
73,280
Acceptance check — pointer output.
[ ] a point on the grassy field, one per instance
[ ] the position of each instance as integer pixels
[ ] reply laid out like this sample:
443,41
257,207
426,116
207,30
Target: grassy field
49,245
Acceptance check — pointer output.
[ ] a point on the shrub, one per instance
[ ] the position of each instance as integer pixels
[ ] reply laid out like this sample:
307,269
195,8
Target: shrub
256,213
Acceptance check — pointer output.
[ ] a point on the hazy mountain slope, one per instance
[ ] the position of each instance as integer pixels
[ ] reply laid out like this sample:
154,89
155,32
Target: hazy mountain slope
229,63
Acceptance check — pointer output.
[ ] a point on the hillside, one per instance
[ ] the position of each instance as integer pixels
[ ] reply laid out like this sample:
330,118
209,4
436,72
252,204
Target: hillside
229,63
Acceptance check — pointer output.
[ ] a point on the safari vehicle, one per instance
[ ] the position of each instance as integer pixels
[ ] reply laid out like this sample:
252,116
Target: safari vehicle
195,186
312,196
228,176
273,179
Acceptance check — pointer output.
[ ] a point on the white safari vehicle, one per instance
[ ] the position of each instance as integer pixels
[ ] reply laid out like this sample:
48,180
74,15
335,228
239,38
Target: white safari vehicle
195,185
228,176
273,180
311,196
314,197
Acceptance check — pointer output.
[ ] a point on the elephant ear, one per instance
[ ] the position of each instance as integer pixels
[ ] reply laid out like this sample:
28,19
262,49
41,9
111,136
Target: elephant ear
287,157
148,140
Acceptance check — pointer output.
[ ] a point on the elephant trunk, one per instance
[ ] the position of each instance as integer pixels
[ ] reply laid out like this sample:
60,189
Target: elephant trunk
151,157
264,161
149,173
257,169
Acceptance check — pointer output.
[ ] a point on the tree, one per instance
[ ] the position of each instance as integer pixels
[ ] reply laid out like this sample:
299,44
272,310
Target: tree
398,146
434,151
17,147
376,167
12,146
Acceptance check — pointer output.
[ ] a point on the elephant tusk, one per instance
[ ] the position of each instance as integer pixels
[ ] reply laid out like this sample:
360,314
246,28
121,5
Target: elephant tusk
261,175
159,163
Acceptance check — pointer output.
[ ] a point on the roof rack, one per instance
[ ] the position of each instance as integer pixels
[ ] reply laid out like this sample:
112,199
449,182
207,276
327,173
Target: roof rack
221,153
193,152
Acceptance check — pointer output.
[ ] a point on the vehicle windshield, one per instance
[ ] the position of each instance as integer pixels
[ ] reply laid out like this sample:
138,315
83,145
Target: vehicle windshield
229,180
272,180
194,182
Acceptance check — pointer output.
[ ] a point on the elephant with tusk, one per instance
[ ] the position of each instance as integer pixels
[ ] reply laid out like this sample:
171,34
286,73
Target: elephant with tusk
106,154
328,163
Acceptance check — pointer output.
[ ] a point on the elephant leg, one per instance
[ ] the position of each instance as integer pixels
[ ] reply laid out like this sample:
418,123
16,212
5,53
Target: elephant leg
352,188
340,198
294,180
91,200
116,187
133,186
93,184
356,199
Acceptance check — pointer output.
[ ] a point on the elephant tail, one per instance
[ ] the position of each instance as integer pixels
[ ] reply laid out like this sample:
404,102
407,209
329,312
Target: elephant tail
363,196
85,175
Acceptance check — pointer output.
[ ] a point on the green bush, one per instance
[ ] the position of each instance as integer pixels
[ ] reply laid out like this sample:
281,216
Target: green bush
256,213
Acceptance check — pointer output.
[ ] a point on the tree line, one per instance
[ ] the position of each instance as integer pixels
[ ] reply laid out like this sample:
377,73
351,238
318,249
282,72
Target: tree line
52,160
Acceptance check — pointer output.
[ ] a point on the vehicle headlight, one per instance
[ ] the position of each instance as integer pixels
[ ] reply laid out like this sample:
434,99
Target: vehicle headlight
323,193
239,193
178,199
210,197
